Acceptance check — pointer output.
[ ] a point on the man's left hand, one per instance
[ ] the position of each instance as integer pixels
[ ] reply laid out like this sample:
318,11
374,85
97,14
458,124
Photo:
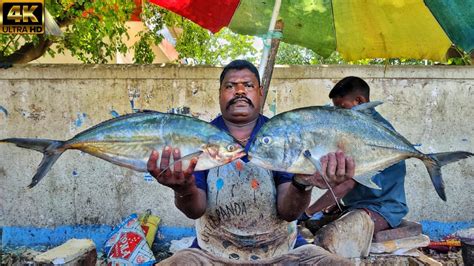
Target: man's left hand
336,166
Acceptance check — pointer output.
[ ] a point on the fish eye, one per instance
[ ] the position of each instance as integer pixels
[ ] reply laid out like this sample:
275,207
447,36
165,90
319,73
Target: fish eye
230,148
266,140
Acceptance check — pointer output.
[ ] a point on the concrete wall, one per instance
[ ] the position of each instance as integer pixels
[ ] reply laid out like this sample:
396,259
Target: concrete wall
429,105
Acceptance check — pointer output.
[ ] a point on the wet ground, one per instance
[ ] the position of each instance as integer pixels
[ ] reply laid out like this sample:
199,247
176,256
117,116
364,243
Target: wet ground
25,256
453,258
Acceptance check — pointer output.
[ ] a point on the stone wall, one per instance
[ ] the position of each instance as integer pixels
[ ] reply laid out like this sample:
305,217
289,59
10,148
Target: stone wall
430,106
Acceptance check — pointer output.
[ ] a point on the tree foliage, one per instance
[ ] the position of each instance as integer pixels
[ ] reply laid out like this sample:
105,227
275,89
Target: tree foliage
95,30
199,46
289,54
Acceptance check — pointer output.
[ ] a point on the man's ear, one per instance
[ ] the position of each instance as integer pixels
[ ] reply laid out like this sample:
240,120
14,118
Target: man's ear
261,90
361,99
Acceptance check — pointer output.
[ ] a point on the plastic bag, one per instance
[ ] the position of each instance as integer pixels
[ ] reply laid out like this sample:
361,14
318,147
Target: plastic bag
126,244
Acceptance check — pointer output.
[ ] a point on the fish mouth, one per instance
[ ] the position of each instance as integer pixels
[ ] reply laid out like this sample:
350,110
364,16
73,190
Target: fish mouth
238,155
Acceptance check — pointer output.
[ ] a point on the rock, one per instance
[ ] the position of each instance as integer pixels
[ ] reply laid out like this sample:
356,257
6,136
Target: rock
349,236
423,260
406,229
73,252
400,244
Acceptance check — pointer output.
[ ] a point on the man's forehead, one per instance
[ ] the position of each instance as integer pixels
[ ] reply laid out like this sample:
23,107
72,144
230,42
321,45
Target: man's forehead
339,99
239,75
348,96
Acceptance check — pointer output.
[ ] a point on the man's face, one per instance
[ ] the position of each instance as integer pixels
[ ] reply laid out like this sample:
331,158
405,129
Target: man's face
240,96
347,101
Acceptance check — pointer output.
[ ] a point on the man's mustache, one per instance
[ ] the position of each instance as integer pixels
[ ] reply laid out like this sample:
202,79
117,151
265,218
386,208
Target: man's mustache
239,98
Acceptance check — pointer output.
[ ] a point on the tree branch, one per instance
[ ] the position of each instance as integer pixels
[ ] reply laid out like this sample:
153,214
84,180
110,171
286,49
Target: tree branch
30,51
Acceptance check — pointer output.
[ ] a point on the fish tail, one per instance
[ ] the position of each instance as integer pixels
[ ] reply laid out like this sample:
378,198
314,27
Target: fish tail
435,161
51,150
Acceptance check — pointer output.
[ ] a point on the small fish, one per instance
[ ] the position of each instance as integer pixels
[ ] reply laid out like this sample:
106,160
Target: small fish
281,142
128,141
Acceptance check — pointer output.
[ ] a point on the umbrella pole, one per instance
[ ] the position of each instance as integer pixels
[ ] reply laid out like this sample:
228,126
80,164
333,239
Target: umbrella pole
266,43
268,72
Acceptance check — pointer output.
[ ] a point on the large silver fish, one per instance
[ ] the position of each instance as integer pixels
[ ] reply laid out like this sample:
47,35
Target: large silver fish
281,143
128,141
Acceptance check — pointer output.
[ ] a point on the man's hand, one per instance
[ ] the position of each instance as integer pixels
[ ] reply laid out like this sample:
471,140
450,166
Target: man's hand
182,182
337,168
188,197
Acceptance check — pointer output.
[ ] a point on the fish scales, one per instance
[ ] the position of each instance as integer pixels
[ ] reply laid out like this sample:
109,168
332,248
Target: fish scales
323,132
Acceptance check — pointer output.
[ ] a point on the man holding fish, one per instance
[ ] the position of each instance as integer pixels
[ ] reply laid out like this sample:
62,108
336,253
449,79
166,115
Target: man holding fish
296,141
245,213
367,210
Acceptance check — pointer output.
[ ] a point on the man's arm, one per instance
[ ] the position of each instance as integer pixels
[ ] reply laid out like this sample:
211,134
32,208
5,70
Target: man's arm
188,197
291,201
193,205
327,198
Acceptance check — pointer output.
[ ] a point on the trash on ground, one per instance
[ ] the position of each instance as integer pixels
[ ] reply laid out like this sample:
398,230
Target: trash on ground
127,244
180,244
149,223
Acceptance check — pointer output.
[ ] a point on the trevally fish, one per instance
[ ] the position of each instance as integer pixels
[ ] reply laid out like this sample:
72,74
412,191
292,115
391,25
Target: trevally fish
129,139
281,143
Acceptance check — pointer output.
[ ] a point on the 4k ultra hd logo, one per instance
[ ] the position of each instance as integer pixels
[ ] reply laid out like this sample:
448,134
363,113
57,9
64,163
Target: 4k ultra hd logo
21,17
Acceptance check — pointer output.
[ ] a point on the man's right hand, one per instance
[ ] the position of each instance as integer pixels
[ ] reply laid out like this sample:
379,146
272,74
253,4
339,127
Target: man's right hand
182,182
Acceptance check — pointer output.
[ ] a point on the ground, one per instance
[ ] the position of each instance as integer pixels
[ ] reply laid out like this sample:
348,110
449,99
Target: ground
24,256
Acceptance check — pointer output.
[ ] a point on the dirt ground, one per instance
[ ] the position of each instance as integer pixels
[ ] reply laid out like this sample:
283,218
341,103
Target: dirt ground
453,258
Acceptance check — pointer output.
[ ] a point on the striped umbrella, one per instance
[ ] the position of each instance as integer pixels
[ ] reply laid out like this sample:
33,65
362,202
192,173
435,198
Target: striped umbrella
357,29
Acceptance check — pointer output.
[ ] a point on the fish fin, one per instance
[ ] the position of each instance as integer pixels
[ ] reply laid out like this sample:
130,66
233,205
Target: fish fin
315,162
189,156
366,106
318,166
435,161
33,144
50,25
387,126
394,147
445,158
147,111
49,148
366,180
48,160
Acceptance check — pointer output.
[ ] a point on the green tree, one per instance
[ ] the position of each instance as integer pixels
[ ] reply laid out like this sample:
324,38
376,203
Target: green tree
289,54
203,47
94,31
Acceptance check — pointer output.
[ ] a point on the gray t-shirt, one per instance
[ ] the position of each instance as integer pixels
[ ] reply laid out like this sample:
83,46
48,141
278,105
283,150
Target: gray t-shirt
241,219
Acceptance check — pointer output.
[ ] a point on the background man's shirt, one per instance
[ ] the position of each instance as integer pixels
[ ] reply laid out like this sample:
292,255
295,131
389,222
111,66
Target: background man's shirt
390,201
